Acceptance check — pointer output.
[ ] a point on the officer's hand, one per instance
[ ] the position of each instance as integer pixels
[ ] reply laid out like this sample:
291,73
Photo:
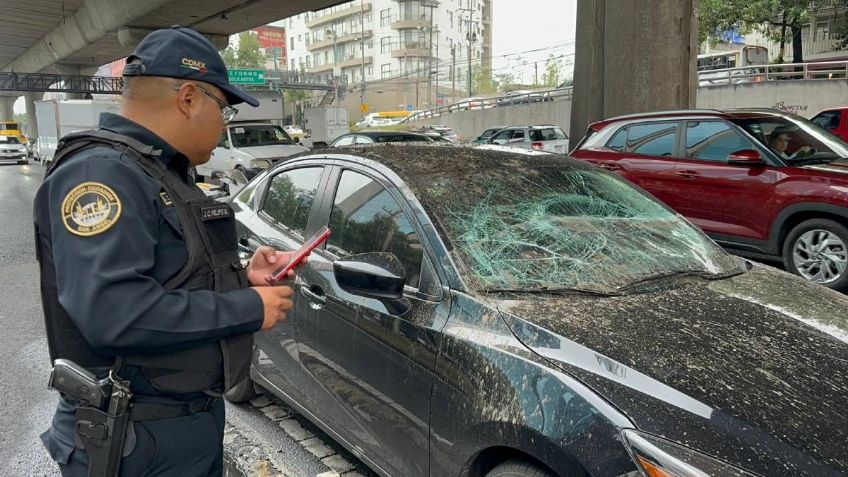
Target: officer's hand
276,301
265,260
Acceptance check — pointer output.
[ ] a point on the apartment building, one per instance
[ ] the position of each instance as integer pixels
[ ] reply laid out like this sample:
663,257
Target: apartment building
395,53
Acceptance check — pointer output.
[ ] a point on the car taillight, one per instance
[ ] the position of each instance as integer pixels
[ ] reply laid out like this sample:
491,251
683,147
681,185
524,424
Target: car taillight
536,145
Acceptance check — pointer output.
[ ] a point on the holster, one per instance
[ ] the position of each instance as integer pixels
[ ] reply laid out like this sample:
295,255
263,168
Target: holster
102,436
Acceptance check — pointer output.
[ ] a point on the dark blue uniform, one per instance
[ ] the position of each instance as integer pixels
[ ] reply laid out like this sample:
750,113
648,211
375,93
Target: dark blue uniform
110,282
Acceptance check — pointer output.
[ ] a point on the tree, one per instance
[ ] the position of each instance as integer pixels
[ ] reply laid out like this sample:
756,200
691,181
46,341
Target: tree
505,81
775,17
247,55
553,74
481,80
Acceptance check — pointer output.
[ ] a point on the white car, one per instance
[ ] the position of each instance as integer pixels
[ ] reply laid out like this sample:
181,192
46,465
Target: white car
543,137
250,147
12,151
293,131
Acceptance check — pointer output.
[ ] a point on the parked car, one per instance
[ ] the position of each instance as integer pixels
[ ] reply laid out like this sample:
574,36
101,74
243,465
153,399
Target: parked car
484,137
445,131
378,137
834,120
466,104
295,132
250,147
760,182
12,151
545,137
520,97
484,313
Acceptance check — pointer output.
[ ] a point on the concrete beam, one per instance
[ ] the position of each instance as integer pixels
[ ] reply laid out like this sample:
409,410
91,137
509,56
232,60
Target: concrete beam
130,37
32,124
93,20
624,64
6,104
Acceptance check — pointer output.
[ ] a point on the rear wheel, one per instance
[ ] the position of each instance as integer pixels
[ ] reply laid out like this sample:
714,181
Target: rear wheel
817,250
518,468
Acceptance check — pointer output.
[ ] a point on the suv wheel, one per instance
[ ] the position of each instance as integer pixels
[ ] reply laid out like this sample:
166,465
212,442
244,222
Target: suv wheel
817,250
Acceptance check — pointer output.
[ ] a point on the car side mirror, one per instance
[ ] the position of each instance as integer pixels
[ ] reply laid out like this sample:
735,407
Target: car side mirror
745,157
373,275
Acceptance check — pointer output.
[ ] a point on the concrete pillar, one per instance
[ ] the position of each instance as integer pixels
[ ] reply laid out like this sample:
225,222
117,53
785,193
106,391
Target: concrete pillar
633,56
6,110
32,125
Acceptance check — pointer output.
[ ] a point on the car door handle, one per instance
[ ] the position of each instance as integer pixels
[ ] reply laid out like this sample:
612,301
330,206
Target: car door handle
314,294
610,166
250,243
688,174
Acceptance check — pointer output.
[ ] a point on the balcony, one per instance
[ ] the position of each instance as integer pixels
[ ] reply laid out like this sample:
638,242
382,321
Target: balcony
320,68
331,17
411,50
407,23
355,61
340,40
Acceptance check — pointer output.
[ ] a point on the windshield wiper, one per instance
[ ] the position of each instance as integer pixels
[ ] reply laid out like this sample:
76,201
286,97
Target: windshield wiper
814,160
552,291
682,273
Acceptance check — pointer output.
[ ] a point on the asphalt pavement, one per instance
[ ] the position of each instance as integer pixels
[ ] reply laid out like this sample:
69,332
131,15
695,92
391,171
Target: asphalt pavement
262,439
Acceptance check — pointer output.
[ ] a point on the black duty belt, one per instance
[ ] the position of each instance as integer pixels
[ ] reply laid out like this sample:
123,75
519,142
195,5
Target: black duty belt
153,409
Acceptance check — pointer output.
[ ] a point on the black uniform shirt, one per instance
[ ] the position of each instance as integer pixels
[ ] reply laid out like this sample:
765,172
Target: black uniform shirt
110,281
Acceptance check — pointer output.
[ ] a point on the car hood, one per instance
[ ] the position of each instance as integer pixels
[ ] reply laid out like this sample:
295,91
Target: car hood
273,152
751,369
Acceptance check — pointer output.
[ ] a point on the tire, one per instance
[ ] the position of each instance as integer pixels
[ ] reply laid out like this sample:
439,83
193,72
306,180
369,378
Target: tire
519,468
816,249
242,392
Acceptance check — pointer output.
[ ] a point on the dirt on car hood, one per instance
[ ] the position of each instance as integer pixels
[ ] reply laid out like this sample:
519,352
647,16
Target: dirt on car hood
751,369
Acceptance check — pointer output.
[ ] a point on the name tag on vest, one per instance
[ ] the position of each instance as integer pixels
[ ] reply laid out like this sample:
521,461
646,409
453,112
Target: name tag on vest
222,211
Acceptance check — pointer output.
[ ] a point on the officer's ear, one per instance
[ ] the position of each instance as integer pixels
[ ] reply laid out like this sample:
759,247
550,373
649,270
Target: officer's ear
188,99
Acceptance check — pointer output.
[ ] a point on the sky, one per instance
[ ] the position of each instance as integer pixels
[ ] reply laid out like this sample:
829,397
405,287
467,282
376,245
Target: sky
525,25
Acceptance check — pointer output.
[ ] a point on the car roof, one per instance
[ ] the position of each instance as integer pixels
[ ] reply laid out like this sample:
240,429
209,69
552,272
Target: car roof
735,113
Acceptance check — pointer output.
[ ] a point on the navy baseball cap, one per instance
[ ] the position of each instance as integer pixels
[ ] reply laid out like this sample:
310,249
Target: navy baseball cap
179,52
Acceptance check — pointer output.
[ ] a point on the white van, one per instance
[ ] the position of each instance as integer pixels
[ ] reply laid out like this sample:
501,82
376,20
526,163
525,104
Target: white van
250,147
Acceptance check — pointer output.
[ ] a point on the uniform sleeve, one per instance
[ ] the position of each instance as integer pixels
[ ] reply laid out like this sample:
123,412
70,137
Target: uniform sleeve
104,255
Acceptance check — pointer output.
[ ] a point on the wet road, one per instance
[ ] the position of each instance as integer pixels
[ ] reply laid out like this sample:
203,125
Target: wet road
26,405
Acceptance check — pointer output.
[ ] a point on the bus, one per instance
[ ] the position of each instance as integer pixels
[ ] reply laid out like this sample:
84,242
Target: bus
12,128
713,67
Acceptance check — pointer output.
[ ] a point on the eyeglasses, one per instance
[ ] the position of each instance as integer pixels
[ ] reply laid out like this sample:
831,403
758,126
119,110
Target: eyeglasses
227,112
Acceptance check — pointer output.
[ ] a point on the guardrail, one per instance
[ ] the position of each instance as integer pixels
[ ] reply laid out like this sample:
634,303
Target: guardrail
511,99
785,71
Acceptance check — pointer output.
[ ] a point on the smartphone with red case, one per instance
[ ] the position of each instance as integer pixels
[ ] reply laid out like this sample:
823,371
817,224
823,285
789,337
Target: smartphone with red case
301,253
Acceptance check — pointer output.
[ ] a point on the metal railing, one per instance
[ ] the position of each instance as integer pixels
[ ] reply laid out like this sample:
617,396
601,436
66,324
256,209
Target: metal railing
303,80
511,99
39,82
786,71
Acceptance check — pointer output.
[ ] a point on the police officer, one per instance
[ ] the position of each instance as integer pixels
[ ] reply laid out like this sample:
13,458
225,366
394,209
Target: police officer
140,272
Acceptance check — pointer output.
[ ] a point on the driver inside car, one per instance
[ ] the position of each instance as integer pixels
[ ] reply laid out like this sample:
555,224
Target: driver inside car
779,143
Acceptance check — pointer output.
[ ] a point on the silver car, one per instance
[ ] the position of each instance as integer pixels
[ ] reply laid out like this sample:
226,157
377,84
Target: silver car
543,137
12,151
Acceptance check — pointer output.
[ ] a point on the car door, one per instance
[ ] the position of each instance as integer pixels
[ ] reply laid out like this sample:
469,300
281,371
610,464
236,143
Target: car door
281,220
645,156
721,198
368,363
503,137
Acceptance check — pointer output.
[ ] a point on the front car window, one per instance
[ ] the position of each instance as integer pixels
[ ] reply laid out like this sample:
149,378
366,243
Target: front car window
794,138
536,223
366,218
713,141
250,135
9,140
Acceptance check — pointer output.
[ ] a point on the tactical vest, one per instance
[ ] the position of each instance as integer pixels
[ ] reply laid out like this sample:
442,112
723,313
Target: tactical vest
213,264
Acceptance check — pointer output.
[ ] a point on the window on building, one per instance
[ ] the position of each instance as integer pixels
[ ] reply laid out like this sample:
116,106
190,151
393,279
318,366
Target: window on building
385,70
385,17
450,17
291,43
386,44
292,68
369,70
369,19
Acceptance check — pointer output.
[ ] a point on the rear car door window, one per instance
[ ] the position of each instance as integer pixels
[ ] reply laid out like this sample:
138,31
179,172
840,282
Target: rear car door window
619,140
290,197
653,139
367,218
364,140
345,141
713,140
828,119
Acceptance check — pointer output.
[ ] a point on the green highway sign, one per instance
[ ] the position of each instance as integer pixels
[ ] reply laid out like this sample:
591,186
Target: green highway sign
246,76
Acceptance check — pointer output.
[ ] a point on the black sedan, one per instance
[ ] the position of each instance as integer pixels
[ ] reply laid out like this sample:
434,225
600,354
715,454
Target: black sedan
487,313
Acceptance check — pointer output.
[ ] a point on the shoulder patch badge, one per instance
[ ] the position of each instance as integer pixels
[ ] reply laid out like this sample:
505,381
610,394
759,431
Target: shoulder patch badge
90,208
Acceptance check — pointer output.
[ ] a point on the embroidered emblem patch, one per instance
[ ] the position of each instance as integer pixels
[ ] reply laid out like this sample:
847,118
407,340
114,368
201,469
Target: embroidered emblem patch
90,209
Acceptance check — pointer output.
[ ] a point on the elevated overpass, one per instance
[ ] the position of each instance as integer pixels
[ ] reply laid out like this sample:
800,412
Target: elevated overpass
75,37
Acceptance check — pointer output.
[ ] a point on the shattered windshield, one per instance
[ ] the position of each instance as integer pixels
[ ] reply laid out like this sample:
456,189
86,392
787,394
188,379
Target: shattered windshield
795,139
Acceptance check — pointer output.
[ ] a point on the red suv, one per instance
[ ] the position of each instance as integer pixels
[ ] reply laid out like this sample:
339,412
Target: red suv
834,120
761,182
